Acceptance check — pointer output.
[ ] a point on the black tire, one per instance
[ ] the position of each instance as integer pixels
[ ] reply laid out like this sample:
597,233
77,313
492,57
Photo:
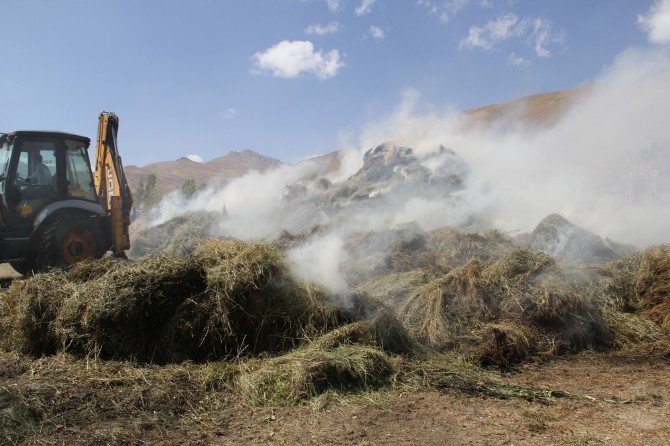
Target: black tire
69,240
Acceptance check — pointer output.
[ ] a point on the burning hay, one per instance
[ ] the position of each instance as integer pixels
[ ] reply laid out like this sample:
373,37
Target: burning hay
506,311
227,298
178,236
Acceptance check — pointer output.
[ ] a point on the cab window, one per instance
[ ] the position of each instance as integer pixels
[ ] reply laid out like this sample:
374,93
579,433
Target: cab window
35,178
79,177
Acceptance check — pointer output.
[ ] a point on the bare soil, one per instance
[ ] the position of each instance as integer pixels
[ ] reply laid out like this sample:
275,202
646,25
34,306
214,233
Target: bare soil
620,400
624,401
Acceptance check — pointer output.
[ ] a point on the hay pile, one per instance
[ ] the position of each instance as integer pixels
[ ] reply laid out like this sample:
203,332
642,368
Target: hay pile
504,311
178,236
652,285
311,371
564,240
636,290
227,298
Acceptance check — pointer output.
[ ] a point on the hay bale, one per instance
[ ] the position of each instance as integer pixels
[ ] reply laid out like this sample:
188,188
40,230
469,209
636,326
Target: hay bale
617,280
433,312
126,312
392,289
450,247
309,372
520,265
93,268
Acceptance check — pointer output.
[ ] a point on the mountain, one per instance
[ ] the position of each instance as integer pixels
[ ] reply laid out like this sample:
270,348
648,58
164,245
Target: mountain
171,175
539,110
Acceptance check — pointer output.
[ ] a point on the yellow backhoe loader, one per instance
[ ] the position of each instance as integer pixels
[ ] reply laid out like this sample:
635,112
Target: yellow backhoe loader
54,211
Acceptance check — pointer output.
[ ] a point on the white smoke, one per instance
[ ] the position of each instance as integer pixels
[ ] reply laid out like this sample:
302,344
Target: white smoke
319,260
249,202
518,174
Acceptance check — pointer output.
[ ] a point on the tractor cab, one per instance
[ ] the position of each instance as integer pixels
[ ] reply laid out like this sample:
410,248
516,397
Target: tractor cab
38,169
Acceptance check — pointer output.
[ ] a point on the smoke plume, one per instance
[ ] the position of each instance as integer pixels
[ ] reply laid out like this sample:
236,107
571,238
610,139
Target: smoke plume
507,174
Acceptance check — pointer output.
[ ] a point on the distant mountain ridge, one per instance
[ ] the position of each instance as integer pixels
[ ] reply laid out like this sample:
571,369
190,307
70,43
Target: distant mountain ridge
171,175
538,110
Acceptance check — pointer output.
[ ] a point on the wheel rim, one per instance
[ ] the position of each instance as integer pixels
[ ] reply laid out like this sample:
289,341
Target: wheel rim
77,246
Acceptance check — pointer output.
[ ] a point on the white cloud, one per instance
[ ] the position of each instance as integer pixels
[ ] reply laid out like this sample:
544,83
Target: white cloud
334,5
290,59
365,7
542,35
517,61
228,113
538,34
656,23
445,10
488,36
377,33
195,158
322,30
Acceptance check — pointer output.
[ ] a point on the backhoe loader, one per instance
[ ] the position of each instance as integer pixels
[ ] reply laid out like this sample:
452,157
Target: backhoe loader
54,211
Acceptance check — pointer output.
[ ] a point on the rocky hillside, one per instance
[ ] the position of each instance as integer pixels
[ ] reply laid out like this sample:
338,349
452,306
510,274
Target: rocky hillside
171,175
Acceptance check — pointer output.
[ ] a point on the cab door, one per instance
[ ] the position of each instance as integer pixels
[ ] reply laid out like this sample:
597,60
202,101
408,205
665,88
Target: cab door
32,182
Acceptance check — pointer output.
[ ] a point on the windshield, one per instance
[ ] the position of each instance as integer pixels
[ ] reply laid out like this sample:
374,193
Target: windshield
5,154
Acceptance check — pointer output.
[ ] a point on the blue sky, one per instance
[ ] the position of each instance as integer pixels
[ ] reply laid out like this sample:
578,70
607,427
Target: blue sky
206,77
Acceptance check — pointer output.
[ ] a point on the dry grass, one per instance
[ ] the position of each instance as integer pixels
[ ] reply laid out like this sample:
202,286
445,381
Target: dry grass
506,310
260,337
653,285
310,371
225,299
382,331
179,236
99,402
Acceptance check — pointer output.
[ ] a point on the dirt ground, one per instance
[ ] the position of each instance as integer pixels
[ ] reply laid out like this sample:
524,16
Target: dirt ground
623,401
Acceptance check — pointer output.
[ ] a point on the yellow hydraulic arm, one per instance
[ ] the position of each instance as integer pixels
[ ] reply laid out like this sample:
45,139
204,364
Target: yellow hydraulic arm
111,186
